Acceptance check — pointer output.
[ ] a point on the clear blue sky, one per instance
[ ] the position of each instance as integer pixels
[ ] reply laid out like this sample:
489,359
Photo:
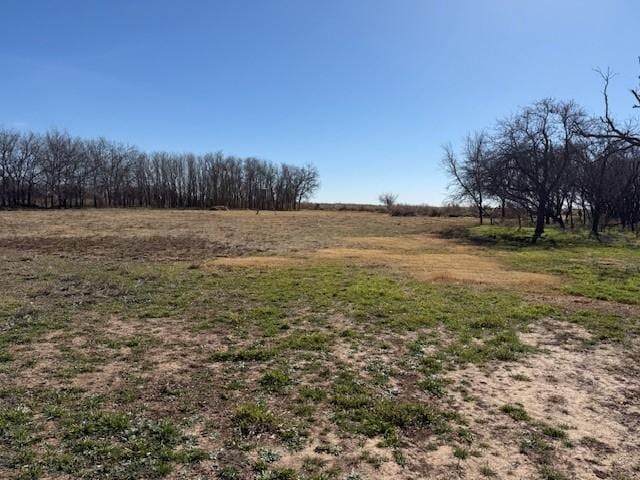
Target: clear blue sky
367,90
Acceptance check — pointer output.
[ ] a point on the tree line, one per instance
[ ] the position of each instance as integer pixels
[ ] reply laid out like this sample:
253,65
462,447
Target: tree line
57,170
552,162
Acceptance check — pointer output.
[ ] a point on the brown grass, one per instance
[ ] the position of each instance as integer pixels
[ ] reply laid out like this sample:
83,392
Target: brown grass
196,234
444,267
426,257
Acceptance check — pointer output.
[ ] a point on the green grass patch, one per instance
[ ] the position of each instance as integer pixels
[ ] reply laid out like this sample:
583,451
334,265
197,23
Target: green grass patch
607,268
275,380
254,418
359,410
515,411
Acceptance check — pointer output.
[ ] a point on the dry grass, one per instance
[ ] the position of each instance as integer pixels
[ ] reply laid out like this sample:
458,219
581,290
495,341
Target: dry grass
427,257
395,350
451,267
197,234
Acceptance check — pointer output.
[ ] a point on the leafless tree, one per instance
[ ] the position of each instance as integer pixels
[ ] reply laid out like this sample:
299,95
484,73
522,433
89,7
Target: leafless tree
533,153
469,174
388,199
627,132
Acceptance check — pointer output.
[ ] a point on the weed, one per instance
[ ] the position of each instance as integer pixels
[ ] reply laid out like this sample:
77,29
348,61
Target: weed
308,393
487,471
255,354
550,473
434,385
268,455
460,453
515,411
229,473
254,418
554,432
275,380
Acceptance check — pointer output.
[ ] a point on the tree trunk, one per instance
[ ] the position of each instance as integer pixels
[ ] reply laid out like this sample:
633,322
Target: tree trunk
540,222
595,222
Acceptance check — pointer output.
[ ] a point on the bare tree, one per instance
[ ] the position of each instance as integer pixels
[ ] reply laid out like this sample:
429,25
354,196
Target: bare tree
534,150
469,175
388,199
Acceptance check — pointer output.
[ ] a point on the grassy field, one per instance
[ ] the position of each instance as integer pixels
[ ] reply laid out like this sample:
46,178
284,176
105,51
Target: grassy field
314,345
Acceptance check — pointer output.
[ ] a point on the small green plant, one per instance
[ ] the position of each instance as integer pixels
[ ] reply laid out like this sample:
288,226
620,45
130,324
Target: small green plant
554,432
294,438
487,471
229,473
312,341
434,385
534,444
254,418
275,380
6,356
269,455
353,475
314,466
399,457
279,474
373,459
334,450
550,473
465,434
515,411
460,453
314,394
254,354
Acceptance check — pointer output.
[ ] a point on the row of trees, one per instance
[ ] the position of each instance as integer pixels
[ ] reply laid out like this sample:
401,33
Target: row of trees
550,161
56,170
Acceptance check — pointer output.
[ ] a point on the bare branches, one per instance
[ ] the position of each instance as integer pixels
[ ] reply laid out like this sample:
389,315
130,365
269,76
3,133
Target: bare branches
468,175
636,92
612,130
540,162
58,170
388,199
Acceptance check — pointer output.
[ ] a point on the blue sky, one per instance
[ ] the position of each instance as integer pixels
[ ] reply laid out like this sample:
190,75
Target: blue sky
367,90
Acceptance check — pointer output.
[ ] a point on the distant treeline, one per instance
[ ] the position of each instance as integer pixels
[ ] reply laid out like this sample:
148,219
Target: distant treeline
57,170
549,161
395,210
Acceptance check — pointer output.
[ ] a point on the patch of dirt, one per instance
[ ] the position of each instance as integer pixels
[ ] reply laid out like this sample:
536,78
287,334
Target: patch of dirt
594,392
106,378
37,375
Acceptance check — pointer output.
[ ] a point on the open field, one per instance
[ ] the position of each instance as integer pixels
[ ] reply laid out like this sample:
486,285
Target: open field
314,345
